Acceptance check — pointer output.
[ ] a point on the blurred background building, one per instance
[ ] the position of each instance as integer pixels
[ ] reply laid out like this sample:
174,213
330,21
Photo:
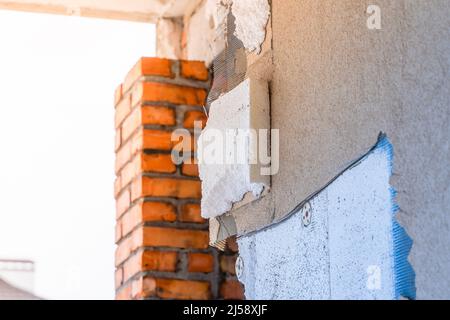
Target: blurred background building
17,280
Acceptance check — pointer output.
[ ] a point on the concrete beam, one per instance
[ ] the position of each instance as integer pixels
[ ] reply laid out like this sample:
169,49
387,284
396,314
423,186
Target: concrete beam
132,10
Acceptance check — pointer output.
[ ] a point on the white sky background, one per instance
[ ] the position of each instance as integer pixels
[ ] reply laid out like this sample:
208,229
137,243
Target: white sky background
57,78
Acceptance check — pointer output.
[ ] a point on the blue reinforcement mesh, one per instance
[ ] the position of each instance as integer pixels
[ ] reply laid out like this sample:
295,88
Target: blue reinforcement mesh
404,276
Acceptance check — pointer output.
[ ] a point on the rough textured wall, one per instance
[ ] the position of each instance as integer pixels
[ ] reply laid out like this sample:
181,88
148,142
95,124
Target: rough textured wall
337,84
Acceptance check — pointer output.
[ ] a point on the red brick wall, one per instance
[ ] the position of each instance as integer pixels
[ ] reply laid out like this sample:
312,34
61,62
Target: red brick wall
162,241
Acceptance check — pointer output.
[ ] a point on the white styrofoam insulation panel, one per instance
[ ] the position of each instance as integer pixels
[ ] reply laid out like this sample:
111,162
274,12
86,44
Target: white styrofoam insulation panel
225,183
352,237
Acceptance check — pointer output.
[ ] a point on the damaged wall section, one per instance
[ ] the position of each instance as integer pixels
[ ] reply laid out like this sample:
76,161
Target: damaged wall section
251,31
335,85
342,243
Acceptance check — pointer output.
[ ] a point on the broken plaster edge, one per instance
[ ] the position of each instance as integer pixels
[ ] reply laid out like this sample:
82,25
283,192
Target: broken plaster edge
252,32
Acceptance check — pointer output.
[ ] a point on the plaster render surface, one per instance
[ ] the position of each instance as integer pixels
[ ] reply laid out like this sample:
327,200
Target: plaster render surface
198,33
168,38
205,29
348,241
336,85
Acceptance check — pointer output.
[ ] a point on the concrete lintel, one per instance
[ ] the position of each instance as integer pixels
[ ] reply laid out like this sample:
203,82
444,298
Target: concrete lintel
132,10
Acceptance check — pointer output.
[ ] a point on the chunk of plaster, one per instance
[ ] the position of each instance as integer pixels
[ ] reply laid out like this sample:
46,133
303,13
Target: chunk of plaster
251,18
227,146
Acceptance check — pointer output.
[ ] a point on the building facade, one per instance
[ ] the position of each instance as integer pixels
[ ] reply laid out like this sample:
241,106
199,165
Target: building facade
358,96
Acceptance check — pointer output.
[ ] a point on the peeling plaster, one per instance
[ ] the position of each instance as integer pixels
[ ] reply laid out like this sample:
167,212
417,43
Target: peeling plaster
251,21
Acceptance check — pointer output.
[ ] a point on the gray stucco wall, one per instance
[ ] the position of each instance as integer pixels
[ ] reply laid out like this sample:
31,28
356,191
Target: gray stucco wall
336,85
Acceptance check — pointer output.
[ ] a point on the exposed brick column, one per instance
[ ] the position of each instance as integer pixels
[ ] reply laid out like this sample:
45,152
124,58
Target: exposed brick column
162,241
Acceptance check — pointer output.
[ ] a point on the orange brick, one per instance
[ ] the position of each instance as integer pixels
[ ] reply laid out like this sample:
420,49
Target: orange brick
133,266
118,277
200,262
117,187
124,293
175,238
129,172
232,290
131,219
147,115
118,233
158,163
118,94
165,187
123,202
123,156
118,140
190,212
191,116
131,123
232,244
123,250
152,139
122,110
158,115
148,67
159,261
160,237
182,289
227,264
128,245
169,93
189,169
143,288
147,260
194,70
158,211
161,163
147,212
